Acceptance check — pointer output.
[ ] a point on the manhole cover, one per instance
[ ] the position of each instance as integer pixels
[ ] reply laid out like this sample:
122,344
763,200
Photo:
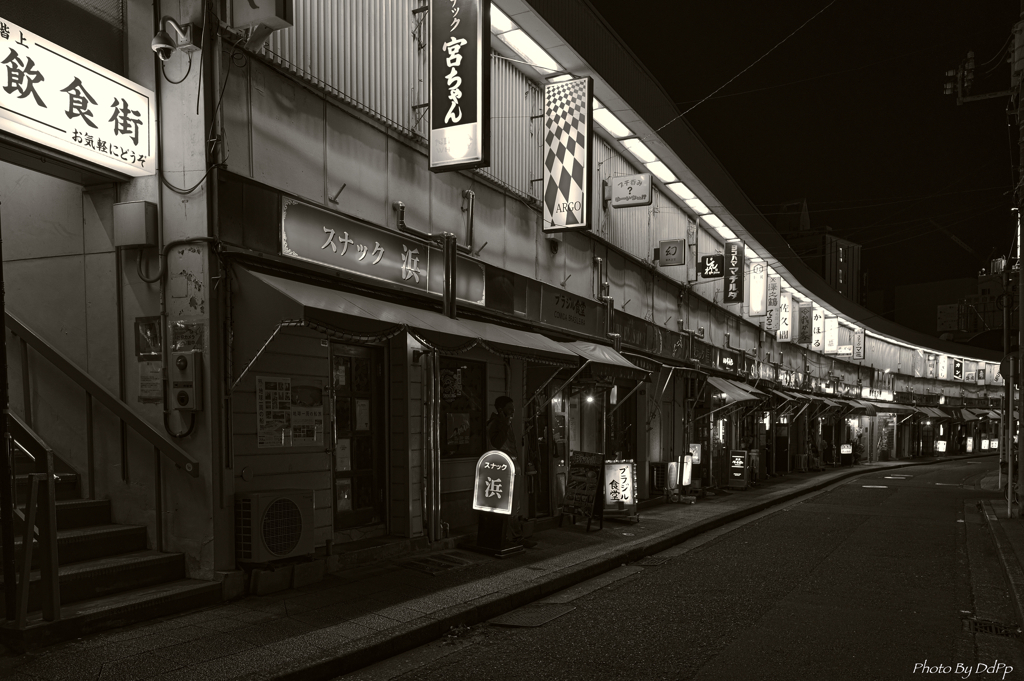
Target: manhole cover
652,560
436,563
533,615
977,626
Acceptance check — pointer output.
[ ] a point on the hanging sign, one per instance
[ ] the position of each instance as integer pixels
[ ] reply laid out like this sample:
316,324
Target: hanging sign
771,320
831,335
806,315
943,367
758,288
460,84
858,343
568,154
631,190
844,351
958,370
785,332
60,100
672,252
494,483
619,488
817,328
712,266
980,375
734,267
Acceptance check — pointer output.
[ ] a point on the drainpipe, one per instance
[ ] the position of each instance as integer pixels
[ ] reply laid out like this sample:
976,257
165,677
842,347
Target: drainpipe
6,474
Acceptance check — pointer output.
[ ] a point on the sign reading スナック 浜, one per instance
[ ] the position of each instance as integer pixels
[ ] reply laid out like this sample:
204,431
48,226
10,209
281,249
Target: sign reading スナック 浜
568,154
60,100
460,84
493,483
711,266
631,190
733,272
319,236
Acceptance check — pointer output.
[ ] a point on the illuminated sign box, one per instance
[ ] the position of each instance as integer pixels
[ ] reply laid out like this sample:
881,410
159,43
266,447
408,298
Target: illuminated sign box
62,101
567,154
940,445
493,483
620,488
631,190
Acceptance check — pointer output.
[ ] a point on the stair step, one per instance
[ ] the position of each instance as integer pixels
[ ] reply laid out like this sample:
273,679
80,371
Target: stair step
65,486
88,543
78,513
109,612
109,575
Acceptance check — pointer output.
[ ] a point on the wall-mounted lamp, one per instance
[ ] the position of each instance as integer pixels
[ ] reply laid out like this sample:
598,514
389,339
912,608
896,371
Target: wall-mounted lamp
164,46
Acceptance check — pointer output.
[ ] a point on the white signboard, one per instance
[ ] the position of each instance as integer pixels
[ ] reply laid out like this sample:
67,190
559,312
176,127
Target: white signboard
771,320
671,252
844,351
858,343
818,329
60,100
631,190
943,367
831,335
758,288
784,333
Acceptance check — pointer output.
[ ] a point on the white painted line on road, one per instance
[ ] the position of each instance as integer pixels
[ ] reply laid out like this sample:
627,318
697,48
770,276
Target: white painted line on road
948,484
876,486
894,477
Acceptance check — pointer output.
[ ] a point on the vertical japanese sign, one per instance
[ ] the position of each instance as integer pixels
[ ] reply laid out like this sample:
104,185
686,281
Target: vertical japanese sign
958,369
980,375
619,488
733,272
806,323
493,484
858,343
771,320
460,84
943,367
817,328
831,335
54,97
568,154
758,288
785,332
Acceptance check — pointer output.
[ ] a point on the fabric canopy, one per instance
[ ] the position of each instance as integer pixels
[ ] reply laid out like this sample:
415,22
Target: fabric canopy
733,392
606,358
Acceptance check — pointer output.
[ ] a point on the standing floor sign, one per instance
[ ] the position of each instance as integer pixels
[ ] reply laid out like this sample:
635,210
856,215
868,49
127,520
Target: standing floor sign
493,486
620,490
581,487
738,471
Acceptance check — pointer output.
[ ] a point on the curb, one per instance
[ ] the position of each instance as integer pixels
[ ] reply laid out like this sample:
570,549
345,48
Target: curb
1007,558
351,656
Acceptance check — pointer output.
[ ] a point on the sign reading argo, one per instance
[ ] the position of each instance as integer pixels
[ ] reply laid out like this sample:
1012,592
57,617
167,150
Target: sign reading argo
568,154
460,84
55,98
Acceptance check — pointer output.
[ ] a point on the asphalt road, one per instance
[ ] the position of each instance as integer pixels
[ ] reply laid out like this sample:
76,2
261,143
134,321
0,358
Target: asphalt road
872,578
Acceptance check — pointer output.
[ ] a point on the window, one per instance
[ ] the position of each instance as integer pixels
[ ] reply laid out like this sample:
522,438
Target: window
840,254
463,408
840,276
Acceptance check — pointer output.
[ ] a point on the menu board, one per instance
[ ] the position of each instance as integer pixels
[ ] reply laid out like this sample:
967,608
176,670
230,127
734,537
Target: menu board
738,468
582,484
289,412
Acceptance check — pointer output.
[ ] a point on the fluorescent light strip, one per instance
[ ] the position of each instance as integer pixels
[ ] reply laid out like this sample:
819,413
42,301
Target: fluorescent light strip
500,23
529,50
607,120
640,150
698,207
725,232
681,190
661,171
713,221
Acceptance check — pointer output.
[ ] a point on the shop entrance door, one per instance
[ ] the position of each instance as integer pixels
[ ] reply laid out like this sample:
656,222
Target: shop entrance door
357,379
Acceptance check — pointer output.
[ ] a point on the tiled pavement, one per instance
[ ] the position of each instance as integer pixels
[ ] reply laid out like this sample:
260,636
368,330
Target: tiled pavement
358,616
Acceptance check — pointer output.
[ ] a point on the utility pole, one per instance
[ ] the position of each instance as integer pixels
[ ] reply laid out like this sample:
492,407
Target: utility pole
1015,75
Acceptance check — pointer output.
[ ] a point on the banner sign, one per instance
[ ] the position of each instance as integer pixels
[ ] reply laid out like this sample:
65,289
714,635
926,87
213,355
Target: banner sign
734,272
817,328
806,324
858,343
632,190
460,84
57,99
943,367
980,375
568,154
712,266
785,332
771,321
831,335
672,252
958,369
758,288
494,483
319,236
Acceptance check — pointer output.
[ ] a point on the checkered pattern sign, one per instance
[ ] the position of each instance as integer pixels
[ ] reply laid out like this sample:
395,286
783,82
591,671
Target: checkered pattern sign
567,154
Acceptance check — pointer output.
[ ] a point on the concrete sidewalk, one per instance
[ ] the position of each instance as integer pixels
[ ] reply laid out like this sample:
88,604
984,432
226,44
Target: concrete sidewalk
356,617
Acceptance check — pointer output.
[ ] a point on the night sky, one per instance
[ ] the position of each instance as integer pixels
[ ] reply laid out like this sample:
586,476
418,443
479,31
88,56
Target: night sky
849,114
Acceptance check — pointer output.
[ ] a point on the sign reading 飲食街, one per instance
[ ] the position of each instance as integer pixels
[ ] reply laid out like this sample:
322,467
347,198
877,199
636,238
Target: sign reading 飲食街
493,483
806,324
568,154
631,190
460,84
771,319
57,99
319,236
733,272
672,252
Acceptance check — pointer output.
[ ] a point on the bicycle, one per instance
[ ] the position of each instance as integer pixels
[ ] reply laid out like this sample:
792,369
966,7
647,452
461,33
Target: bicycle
1006,493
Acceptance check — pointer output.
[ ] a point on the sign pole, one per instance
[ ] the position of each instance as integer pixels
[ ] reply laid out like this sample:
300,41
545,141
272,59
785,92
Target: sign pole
6,471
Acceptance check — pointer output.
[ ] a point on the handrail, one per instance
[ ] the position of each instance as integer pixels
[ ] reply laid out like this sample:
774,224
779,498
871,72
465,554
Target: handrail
178,455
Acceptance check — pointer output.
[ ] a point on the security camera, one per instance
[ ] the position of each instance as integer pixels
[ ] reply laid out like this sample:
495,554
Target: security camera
163,45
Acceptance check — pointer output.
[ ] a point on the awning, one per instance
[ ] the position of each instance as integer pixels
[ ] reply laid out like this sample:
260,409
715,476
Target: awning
894,408
752,390
985,414
606,360
779,393
863,407
733,391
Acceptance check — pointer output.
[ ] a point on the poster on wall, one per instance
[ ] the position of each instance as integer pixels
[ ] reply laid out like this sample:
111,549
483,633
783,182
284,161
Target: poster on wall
858,343
758,288
568,155
785,332
307,412
734,272
186,336
150,382
289,413
460,84
771,320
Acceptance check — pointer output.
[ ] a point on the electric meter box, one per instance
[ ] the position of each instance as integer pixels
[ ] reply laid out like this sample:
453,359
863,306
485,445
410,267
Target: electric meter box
184,374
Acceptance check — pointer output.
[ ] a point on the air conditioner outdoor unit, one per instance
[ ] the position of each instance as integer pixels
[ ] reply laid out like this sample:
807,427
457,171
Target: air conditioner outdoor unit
273,525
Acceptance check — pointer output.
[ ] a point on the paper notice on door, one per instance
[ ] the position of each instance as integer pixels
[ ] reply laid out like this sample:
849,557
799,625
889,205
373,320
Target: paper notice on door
149,382
362,414
343,455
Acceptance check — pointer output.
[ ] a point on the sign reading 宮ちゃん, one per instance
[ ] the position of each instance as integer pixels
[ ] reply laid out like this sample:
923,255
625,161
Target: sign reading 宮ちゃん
631,190
460,84
568,154
60,100
319,236
493,484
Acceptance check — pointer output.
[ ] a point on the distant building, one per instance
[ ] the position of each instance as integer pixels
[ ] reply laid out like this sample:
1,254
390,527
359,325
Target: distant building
837,260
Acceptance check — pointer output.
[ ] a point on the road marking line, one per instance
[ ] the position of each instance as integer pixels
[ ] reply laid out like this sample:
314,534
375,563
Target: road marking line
876,486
